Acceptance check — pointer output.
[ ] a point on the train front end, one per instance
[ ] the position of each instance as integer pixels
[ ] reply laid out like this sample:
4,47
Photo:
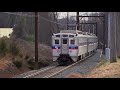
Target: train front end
65,49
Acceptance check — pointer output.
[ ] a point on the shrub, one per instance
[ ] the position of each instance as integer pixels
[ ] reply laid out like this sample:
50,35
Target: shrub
13,49
26,57
119,57
3,46
17,63
20,55
43,64
31,62
31,67
30,38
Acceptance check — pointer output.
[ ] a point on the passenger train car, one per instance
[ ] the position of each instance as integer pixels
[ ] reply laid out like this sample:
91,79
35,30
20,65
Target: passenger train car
69,46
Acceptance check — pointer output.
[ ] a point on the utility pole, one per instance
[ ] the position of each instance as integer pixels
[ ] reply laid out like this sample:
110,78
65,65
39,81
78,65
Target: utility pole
106,29
56,18
77,18
96,29
67,20
104,34
112,36
118,34
36,40
93,29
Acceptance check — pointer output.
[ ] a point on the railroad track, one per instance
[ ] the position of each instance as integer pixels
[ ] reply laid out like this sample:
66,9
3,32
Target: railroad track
49,72
64,68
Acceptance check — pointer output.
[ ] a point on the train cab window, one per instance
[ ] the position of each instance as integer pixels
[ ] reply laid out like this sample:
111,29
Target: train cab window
57,35
72,42
65,35
56,41
64,41
71,35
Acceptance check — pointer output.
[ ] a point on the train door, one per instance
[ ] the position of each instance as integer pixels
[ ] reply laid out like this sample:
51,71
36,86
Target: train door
64,44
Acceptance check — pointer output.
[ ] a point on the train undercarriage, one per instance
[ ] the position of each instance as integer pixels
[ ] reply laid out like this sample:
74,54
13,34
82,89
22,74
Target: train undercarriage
65,59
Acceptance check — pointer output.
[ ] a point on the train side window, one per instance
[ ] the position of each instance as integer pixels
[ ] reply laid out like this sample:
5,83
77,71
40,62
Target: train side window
72,42
56,41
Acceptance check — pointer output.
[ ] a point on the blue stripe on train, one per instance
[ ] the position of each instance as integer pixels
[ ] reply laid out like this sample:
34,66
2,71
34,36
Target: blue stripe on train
73,47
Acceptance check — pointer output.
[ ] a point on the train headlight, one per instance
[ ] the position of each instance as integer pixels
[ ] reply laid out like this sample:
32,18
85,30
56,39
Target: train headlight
56,47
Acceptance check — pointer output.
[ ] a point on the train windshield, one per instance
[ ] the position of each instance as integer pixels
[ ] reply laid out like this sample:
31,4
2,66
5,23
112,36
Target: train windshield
64,41
57,35
56,41
72,42
65,35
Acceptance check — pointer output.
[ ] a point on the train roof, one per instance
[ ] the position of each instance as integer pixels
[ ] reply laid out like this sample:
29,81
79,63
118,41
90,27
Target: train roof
64,33
77,32
75,35
71,31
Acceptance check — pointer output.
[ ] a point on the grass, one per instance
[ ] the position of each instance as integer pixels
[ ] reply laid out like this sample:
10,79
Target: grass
18,54
74,75
17,63
105,69
3,64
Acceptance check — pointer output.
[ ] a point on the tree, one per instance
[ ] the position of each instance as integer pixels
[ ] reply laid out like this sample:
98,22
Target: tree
46,28
18,31
23,24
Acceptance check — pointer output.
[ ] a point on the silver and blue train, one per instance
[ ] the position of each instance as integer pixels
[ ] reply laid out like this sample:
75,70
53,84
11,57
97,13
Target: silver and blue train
69,46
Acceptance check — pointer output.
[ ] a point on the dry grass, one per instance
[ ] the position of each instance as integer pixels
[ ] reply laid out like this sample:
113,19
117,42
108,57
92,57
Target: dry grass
74,75
28,49
4,62
25,54
105,70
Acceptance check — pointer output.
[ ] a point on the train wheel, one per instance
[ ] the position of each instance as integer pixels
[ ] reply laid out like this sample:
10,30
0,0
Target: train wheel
82,57
60,61
79,57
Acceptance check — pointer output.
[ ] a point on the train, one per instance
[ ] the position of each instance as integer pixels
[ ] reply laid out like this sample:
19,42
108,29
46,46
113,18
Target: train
70,46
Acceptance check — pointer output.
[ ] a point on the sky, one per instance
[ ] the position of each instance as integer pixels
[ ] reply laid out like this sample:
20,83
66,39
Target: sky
5,32
64,14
